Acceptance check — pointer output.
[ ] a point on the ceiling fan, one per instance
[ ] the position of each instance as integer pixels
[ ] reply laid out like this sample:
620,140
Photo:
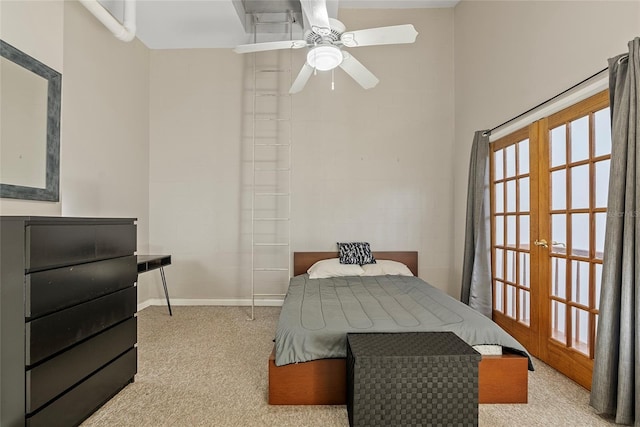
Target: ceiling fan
326,37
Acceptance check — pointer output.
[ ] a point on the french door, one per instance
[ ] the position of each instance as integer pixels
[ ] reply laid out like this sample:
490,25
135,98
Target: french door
549,187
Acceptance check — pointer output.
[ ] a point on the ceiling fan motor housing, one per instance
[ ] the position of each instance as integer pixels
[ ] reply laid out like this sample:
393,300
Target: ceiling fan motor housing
337,28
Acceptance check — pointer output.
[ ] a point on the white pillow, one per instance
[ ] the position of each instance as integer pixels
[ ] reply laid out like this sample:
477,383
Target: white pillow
332,268
384,267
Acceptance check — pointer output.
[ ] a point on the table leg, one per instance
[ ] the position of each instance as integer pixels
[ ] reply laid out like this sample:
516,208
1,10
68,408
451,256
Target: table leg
166,292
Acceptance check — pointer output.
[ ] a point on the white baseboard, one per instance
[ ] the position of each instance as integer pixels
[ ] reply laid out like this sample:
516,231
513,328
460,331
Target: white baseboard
219,302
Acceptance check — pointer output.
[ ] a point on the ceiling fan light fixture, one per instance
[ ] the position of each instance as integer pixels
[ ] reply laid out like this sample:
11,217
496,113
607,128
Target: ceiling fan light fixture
323,58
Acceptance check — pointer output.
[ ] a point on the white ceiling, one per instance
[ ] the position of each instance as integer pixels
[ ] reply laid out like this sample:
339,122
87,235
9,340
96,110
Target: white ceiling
181,24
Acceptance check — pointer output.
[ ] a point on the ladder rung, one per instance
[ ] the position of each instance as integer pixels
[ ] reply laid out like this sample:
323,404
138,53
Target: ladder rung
272,145
261,119
273,94
271,244
270,194
272,22
269,295
271,219
272,70
272,170
271,269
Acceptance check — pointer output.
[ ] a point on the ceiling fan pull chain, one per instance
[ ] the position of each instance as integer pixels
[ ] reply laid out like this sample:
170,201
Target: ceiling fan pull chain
333,86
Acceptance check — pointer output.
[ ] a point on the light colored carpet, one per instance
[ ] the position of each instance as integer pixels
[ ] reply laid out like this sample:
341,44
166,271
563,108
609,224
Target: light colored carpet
207,366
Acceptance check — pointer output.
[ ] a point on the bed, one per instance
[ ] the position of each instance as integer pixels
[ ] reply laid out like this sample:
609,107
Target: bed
307,364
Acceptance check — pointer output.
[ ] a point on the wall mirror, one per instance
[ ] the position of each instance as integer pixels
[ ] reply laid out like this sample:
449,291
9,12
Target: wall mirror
29,127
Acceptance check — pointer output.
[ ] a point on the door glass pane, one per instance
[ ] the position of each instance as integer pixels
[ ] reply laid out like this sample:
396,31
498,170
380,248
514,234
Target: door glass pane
525,269
601,223
558,146
580,330
511,266
598,281
525,311
510,160
524,232
523,157
511,230
499,197
602,183
580,282
602,121
558,277
580,235
498,164
580,187
499,230
558,190
558,321
524,194
580,139
511,301
499,260
559,233
511,196
497,297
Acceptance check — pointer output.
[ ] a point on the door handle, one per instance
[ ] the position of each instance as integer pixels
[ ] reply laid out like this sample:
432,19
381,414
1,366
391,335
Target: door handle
542,243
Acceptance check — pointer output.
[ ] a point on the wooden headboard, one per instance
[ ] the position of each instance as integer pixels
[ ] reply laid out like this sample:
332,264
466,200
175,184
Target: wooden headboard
303,260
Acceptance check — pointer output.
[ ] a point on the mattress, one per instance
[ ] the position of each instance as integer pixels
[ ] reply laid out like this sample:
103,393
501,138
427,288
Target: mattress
318,313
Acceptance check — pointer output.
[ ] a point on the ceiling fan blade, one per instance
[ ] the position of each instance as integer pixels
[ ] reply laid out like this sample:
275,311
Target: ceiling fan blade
358,72
396,34
315,12
302,78
261,47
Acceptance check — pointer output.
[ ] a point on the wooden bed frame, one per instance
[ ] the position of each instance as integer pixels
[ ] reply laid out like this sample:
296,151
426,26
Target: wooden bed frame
501,379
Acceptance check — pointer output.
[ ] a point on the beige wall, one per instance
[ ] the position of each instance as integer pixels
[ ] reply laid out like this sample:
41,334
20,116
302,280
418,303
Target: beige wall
510,56
195,166
368,165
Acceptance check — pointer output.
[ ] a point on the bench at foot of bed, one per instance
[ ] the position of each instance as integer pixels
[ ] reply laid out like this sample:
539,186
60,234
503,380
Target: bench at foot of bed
501,379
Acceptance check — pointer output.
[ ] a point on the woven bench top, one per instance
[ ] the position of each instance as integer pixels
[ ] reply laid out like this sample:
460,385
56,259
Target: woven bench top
409,344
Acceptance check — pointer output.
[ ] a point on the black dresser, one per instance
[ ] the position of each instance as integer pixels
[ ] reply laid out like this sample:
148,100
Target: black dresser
67,317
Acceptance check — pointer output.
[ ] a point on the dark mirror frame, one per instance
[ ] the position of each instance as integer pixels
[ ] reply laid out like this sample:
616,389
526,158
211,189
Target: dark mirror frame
51,193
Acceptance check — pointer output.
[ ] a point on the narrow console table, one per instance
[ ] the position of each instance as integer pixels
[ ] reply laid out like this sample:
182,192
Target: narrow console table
153,262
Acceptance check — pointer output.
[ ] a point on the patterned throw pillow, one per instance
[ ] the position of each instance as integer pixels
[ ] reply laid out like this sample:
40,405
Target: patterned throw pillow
356,253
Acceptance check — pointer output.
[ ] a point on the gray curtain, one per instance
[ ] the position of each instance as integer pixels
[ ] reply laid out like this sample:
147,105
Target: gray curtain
476,269
616,373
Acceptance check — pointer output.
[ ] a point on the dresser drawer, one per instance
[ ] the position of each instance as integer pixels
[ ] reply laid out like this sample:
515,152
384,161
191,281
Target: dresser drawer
51,290
49,246
50,334
78,403
51,378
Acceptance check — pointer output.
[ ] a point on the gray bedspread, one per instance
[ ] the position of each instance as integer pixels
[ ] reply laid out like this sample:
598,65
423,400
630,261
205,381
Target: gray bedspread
318,313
